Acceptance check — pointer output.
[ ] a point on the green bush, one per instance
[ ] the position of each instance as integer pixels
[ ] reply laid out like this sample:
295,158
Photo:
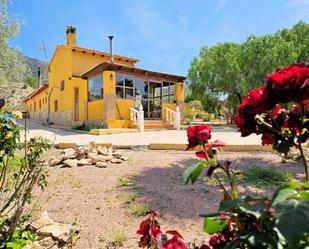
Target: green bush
88,126
266,176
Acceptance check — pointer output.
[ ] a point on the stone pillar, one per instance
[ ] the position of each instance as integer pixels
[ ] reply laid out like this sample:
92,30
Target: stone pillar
109,88
180,96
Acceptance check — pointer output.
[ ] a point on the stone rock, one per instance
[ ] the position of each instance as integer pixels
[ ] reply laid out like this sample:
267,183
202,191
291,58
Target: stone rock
47,242
116,160
44,220
111,150
70,162
84,162
81,156
117,155
84,149
56,230
56,160
124,158
102,158
93,156
69,153
103,151
34,245
101,164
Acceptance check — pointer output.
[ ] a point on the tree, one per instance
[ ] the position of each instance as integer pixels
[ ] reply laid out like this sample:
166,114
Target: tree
228,70
12,66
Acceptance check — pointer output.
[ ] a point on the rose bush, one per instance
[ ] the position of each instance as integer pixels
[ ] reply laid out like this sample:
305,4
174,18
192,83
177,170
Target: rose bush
261,113
246,221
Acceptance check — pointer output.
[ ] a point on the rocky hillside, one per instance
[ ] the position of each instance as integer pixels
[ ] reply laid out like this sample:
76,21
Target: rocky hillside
33,65
15,93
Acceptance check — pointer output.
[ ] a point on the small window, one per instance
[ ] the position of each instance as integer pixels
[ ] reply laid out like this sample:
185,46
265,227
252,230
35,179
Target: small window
45,100
124,86
30,107
56,105
168,92
62,85
95,88
40,104
34,106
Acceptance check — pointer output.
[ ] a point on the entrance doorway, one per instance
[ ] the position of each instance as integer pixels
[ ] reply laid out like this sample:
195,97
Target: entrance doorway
149,94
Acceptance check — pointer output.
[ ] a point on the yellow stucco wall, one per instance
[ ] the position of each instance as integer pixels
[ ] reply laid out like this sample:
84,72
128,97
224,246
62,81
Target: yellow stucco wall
39,98
171,106
84,61
95,110
123,108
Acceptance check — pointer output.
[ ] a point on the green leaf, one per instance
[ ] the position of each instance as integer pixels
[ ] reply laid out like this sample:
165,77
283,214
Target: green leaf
284,192
293,217
194,171
214,225
229,205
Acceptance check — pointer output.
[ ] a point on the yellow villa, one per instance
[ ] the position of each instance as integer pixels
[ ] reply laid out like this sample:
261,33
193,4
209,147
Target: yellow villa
85,85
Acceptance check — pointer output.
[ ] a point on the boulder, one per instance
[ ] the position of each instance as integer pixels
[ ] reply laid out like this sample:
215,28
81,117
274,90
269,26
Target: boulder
116,160
56,160
69,153
101,164
84,162
70,162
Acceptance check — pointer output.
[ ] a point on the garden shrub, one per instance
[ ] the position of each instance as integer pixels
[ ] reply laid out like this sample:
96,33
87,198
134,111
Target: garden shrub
18,178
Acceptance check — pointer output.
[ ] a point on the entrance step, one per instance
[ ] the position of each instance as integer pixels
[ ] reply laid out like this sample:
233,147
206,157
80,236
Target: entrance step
154,124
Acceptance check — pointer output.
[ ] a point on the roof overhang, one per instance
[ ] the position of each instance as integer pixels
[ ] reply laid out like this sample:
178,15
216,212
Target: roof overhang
131,70
37,91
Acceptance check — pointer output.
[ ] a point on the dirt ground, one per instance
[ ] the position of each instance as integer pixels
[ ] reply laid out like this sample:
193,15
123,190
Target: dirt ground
103,201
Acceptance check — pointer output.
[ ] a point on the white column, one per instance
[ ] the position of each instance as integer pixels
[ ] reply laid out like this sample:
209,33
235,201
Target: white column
140,119
177,119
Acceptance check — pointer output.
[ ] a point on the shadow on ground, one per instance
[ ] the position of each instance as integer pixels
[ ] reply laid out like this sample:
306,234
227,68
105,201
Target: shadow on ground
163,189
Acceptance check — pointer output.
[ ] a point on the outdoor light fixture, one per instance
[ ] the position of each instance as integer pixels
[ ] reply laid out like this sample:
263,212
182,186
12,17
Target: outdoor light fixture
111,77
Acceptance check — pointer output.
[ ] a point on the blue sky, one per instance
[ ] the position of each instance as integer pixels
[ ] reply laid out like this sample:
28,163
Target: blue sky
164,34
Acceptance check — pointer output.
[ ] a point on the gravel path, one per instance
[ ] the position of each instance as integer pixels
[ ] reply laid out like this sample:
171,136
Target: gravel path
102,201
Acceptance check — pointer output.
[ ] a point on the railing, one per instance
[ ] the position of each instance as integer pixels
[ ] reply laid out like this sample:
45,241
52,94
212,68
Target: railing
137,116
133,115
173,117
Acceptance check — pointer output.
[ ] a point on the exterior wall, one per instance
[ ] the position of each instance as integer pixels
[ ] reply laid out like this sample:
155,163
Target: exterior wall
171,106
84,61
60,70
40,113
123,108
96,110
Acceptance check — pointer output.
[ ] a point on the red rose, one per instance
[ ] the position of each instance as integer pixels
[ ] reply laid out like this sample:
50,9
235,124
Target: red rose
197,135
176,242
290,83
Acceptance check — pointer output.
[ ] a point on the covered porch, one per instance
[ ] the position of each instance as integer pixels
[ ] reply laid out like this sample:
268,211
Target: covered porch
124,96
